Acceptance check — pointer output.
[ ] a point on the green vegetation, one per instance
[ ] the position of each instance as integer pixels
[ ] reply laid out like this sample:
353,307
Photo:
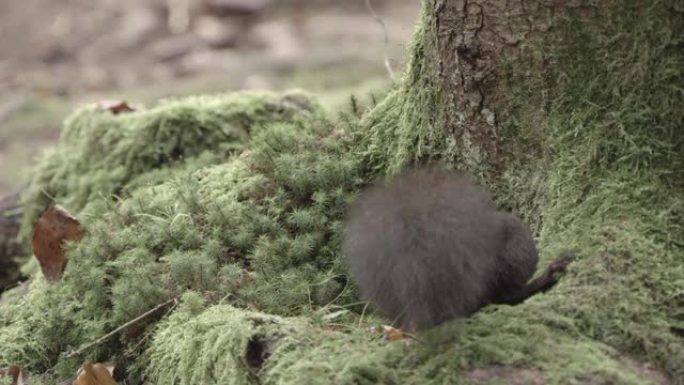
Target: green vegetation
235,204
261,229
101,153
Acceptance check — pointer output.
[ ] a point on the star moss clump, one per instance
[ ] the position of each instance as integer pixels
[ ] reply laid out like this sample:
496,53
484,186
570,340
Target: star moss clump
101,154
193,347
260,230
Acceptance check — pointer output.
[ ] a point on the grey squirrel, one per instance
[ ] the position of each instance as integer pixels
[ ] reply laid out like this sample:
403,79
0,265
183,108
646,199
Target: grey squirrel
429,246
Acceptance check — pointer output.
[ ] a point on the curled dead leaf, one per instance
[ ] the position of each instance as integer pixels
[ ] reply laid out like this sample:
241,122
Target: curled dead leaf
19,375
390,333
393,334
96,374
116,106
54,228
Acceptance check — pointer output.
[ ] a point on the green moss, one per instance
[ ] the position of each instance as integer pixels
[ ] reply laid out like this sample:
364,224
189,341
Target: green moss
606,177
260,230
196,349
405,127
34,330
226,345
100,153
594,153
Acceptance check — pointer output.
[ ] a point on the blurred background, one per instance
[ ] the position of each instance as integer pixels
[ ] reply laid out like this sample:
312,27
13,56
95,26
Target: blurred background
57,54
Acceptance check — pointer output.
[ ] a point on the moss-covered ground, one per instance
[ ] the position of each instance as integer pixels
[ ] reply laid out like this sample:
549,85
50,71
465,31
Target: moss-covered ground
234,205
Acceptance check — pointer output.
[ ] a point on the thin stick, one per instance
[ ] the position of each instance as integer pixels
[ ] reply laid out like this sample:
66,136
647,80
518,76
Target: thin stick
377,18
363,313
120,328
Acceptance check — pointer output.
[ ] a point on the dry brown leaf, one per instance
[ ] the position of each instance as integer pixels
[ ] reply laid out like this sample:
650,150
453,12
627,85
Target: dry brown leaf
19,375
95,374
390,333
116,106
393,334
55,227
22,378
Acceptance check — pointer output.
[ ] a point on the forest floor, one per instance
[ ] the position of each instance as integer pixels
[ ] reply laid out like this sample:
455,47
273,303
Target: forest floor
68,52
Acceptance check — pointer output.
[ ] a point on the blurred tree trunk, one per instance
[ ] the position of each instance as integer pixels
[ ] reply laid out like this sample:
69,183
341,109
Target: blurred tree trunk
10,217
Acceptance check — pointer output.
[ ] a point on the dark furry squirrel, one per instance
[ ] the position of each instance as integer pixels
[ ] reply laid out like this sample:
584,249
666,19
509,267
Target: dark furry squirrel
429,246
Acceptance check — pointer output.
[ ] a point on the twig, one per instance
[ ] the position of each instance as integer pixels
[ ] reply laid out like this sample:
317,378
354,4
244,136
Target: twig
377,18
120,328
363,313
142,340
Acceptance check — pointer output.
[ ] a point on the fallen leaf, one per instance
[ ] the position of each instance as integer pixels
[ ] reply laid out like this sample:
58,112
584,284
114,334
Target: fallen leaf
19,375
22,378
116,106
53,229
390,333
393,334
95,374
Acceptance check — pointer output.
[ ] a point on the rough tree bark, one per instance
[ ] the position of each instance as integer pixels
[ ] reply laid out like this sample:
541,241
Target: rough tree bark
472,38
456,90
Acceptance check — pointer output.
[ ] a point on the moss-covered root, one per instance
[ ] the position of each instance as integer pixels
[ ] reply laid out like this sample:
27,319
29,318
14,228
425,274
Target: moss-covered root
100,153
226,345
222,344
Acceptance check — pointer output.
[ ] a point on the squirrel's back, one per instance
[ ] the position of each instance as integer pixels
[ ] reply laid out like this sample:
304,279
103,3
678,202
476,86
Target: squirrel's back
429,246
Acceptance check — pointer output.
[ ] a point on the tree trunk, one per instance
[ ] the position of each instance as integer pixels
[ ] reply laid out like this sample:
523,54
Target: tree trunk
10,216
569,112
457,86
472,38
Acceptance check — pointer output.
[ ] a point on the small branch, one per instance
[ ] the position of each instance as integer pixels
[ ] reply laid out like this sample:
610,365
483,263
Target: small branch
377,18
120,328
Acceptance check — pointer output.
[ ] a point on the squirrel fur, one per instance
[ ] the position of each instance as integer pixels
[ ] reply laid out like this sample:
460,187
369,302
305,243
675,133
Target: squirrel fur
429,246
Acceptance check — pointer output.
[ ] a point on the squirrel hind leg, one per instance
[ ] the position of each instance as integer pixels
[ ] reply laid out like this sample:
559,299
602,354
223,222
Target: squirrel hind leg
517,257
517,263
548,279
